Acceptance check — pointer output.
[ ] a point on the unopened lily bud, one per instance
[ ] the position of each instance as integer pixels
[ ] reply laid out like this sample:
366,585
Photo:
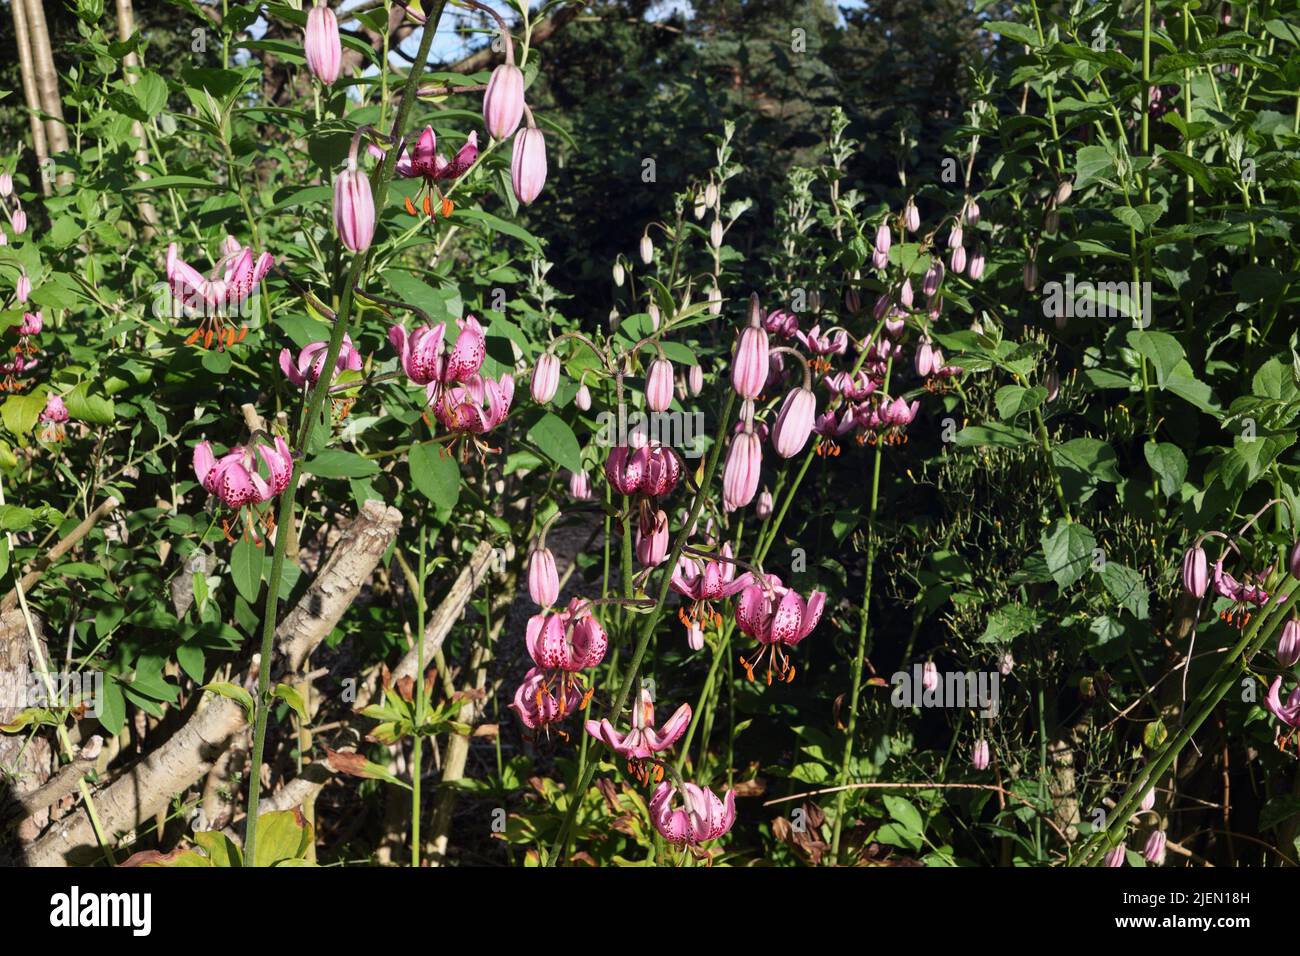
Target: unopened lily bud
6,185
975,269
1293,561
852,301
1195,574
905,295
1288,645
321,45
583,398
1154,851
1052,382
652,548
354,209
652,310
700,208
972,212
715,301
1115,857
1064,190
744,465
647,249
620,274
1031,277
579,485
979,757
1148,801
933,278
711,195
19,221
695,379
911,216
764,506
794,422
24,288
546,378
929,676
528,164
503,101
543,580
715,234
659,385
957,261
884,238
955,236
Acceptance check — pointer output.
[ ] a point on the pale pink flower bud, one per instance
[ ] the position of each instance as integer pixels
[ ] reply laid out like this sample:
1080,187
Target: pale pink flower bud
1293,561
794,422
972,212
1115,857
1154,851
1148,801
652,310
1052,382
695,379
652,548
546,378
528,164
1288,645
503,101
1195,572
583,398
929,676
976,266
694,634
24,288
543,579
979,757
884,238
911,216
764,507
905,295
744,465
715,234
933,278
579,485
749,365
957,260
6,185
321,45
19,222
354,209
924,360
955,236
647,249
659,385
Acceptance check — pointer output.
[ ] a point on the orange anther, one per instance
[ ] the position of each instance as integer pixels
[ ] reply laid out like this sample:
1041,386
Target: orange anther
410,206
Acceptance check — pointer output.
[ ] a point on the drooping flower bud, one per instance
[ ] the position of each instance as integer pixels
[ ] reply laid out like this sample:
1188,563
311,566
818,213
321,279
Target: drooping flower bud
19,221
503,101
955,236
905,295
1064,190
744,465
695,379
975,268
1031,282
528,164
972,212
543,579
1195,572
979,757
546,378
1052,382
620,274
354,208
884,238
1288,645
794,422
6,185
715,234
659,385
1293,561
1115,857
764,507
583,398
321,45
929,676
1154,851
579,485
652,310
957,260
711,195
1148,801
647,249
911,216
652,548
23,290
933,278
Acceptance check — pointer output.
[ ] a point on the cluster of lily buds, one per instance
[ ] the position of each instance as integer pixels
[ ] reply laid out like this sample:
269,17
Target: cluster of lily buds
50,422
640,745
13,208
562,643
307,368
220,296
234,478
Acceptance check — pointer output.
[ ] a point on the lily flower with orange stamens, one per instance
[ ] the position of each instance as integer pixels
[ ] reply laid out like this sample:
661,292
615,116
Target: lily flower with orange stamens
424,161
704,582
562,643
776,617
640,744
220,298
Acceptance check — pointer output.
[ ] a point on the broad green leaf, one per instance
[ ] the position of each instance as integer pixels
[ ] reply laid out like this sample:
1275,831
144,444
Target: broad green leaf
555,439
246,561
1068,548
436,474
1169,464
1127,588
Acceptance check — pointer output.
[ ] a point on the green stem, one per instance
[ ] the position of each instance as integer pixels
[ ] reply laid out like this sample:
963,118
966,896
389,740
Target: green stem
315,402
652,619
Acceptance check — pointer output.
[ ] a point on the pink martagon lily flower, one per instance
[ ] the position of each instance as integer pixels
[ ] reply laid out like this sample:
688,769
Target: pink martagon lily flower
473,408
536,706
703,817
704,581
568,640
424,357
424,162
311,362
776,616
234,477
1288,714
643,741
231,284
